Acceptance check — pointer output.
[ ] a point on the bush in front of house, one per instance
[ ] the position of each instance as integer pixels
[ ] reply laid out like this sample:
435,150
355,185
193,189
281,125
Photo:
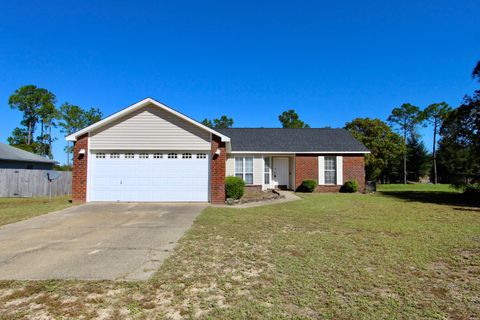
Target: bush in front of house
308,186
234,187
350,186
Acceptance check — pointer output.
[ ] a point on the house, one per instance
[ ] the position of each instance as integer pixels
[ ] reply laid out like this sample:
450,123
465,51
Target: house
150,152
15,158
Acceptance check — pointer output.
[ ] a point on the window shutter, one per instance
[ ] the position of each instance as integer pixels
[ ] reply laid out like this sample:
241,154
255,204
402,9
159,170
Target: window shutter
339,170
321,170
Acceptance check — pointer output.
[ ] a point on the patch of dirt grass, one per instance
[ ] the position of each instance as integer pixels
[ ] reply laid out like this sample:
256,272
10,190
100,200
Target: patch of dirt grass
343,256
17,209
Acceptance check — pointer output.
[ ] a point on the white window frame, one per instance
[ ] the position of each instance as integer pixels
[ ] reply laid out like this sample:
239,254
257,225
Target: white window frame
338,170
244,173
269,171
334,170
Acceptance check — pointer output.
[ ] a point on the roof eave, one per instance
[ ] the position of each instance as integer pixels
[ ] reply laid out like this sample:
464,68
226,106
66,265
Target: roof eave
303,152
30,160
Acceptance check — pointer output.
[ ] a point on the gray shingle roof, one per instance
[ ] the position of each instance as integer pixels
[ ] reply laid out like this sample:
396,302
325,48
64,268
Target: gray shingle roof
293,140
8,152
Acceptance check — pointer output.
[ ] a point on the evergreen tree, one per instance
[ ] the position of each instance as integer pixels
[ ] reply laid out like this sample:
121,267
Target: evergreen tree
417,158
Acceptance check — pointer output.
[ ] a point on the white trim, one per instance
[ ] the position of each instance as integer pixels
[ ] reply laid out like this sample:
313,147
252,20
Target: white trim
266,185
339,168
89,168
321,170
73,137
288,169
299,152
294,172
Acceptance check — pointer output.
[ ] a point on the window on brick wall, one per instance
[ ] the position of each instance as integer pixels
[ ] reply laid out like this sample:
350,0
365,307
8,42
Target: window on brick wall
330,170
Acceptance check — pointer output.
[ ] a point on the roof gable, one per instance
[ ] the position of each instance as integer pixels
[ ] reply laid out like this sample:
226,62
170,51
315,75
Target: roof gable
136,106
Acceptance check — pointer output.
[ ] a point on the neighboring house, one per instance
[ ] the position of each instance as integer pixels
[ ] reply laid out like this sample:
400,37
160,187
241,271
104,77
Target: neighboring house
15,158
150,152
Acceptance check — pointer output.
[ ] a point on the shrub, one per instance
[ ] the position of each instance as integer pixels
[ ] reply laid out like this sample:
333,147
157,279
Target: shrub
308,186
234,187
472,188
350,186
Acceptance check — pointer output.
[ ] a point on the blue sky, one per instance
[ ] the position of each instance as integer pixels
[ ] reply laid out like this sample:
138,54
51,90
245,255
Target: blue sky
331,61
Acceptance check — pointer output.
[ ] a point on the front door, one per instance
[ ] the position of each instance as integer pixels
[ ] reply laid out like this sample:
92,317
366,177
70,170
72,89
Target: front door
280,172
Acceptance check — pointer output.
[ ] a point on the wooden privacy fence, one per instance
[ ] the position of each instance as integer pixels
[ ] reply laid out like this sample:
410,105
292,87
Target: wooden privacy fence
33,183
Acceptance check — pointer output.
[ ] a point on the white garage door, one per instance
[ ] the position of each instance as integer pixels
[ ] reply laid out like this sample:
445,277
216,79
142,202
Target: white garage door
152,176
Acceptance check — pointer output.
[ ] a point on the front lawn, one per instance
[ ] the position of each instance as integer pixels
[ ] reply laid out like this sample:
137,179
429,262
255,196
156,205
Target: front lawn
333,256
416,187
16,209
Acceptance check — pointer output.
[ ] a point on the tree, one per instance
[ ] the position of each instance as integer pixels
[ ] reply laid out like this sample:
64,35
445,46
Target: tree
406,118
435,114
385,146
461,138
47,114
74,118
222,123
476,71
29,99
18,138
417,158
459,147
290,119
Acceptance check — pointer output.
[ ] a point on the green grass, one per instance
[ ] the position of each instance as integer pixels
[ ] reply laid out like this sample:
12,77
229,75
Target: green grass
416,187
331,256
17,209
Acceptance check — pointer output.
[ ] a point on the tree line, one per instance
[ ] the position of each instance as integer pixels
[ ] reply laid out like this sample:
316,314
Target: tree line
398,153
40,115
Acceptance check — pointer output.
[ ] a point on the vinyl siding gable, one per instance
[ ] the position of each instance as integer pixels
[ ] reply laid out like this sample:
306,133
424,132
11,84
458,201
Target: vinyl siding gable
149,128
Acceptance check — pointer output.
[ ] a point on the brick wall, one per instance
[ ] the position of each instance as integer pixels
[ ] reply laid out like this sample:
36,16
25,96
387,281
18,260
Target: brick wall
252,188
79,171
354,169
218,171
306,167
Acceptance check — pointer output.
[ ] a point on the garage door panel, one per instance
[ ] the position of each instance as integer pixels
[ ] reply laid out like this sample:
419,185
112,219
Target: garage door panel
150,179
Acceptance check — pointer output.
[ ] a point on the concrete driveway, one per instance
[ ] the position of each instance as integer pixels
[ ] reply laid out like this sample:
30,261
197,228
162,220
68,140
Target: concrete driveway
113,241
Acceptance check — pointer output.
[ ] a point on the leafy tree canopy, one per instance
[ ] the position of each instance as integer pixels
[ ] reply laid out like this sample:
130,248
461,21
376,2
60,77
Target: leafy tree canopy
406,117
222,123
459,150
74,118
386,146
290,119
34,103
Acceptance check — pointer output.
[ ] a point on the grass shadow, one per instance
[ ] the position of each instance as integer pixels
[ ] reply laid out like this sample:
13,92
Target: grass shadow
445,198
